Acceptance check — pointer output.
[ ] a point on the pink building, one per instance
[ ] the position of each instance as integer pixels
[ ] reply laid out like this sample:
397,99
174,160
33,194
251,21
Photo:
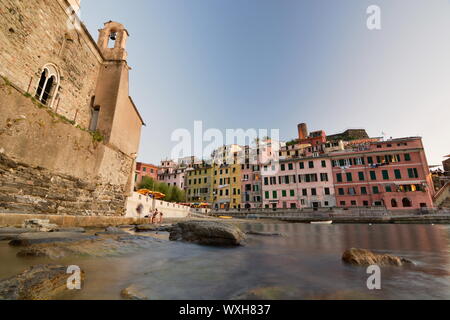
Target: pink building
251,187
172,174
392,174
305,182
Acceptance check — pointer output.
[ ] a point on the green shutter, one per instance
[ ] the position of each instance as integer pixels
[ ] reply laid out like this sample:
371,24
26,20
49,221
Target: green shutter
361,176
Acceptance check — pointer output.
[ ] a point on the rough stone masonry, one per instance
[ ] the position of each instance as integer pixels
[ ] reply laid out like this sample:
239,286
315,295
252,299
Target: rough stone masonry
69,131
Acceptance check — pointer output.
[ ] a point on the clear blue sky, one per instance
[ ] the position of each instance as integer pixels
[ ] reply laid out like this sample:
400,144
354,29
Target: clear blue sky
276,63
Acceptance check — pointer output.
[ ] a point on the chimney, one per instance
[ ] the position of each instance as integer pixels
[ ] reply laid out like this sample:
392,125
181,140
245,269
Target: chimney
302,131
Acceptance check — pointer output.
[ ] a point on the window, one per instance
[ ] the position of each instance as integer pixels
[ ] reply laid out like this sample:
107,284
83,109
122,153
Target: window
407,203
373,175
413,173
341,191
407,157
311,164
369,160
394,203
339,177
361,176
324,177
349,177
314,191
305,192
291,166
343,203
283,167
352,191
302,165
354,203
292,193
327,191
324,164
385,175
284,193
388,188
275,194
398,174
267,194
48,85
95,112
376,190
366,203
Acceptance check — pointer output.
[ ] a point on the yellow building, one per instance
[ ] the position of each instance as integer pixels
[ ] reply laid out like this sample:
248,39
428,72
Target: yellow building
199,184
227,186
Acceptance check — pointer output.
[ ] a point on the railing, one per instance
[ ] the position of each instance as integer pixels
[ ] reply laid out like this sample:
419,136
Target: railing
445,188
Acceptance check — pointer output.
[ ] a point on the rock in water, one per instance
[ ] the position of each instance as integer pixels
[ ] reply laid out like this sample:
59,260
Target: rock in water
39,225
28,239
79,230
112,231
264,234
42,282
146,228
15,230
132,293
207,233
364,257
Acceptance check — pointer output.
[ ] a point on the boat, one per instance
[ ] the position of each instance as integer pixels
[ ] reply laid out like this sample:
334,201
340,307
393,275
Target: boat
322,222
225,217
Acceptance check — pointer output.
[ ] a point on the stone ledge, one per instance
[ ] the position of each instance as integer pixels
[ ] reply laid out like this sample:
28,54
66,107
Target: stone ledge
16,220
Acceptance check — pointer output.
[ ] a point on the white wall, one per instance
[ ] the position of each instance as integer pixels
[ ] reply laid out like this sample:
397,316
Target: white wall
169,210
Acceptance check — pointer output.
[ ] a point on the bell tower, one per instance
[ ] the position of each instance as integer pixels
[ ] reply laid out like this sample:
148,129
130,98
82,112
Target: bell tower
112,41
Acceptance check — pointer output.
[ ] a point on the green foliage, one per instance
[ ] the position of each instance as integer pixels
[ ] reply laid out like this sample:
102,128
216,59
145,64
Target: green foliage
97,136
173,193
292,142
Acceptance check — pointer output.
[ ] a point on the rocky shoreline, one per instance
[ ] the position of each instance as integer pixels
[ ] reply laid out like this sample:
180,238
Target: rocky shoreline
40,239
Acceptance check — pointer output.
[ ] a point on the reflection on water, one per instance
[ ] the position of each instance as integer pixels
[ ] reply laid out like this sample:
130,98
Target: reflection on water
303,264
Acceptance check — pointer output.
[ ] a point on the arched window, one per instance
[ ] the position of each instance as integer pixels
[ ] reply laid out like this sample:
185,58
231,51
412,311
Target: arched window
48,85
407,203
394,203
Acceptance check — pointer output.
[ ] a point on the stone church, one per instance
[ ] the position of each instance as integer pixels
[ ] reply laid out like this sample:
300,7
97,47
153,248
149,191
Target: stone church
69,130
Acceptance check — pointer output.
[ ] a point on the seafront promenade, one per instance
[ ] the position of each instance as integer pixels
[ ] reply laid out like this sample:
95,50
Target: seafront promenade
356,215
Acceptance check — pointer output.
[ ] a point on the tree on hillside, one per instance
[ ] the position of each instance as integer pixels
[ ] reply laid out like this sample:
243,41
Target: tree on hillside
173,193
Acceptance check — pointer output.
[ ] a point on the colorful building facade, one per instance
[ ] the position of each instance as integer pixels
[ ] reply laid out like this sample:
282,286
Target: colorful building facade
298,183
392,174
199,184
227,186
145,170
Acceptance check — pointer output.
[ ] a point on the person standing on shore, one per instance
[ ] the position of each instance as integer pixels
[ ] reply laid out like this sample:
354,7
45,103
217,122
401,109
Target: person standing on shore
155,214
160,217
139,209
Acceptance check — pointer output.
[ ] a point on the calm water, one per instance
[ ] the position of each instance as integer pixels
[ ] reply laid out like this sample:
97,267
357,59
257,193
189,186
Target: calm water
305,264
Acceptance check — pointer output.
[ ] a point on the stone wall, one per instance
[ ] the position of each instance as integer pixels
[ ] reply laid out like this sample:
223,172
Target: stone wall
50,166
39,32
34,190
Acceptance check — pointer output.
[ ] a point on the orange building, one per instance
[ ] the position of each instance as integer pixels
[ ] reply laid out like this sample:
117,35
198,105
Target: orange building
145,170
